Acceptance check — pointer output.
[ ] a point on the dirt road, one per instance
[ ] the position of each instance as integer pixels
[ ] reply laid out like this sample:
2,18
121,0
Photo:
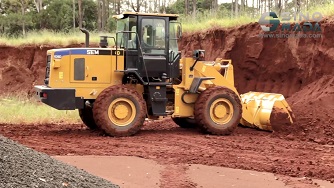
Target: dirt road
167,144
135,172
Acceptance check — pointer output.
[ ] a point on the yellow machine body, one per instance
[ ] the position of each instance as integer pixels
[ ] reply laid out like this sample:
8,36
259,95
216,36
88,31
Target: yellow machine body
259,109
78,77
99,71
266,111
202,69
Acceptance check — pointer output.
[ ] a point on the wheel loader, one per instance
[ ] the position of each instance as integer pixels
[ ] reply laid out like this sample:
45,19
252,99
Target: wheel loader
143,76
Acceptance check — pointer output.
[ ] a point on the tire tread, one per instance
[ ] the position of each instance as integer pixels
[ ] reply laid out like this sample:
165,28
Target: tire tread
101,107
204,122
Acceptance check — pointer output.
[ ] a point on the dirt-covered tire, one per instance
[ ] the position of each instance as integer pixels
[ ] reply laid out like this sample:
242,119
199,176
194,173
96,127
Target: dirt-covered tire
86,115
218,110
119,111
185,122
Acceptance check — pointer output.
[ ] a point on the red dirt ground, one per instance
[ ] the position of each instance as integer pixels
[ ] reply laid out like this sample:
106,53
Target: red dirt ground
300,69
164,142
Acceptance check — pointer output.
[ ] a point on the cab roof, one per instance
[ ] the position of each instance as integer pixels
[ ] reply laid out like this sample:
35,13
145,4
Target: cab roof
126,14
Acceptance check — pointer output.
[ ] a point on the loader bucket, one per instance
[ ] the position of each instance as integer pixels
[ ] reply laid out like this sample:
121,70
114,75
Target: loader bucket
266,111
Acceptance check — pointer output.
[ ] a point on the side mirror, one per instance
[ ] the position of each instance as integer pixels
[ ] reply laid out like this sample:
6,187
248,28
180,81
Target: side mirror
199,55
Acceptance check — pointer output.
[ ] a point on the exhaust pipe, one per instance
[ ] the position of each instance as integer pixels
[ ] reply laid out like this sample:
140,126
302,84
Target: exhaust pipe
87,36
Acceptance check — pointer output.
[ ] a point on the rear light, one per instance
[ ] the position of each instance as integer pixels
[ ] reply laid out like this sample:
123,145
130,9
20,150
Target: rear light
43,95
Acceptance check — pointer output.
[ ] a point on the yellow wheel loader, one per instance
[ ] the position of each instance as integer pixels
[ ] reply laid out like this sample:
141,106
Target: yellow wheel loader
144,76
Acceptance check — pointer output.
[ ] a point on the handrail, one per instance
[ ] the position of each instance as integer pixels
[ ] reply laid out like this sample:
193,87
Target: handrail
140,47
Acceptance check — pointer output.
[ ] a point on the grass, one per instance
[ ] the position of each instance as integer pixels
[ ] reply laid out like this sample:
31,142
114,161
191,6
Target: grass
207,21
23,110
58,38
325,10
51,38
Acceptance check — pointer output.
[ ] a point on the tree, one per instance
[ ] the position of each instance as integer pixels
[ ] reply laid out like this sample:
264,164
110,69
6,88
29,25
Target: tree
242,8
38,5
194,8
236,8
279,6
163,6
73,11
297,6
23,11
80,13
99,19
186,5
117,6
89,14
103,15
232,9
135,6
215,5
253,12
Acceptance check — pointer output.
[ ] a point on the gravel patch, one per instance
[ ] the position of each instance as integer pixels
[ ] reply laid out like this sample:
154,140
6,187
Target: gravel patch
21,166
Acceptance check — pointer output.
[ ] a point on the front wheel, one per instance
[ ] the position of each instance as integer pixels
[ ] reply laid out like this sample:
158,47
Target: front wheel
119,111
218,110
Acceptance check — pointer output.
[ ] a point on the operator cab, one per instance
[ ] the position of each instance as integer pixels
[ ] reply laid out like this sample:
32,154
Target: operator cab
150,45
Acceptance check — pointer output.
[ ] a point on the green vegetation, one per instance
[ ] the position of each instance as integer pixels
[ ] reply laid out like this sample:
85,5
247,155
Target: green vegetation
206,21
57,22
327,10
22,110
51,38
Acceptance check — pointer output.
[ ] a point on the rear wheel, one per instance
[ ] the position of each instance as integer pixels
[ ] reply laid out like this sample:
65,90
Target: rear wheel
119,111
86,115
185,122
218,110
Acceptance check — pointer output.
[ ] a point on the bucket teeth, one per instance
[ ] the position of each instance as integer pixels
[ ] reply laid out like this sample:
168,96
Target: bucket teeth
266,111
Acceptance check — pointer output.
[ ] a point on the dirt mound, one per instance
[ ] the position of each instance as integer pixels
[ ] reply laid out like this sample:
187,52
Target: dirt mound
13,77
23,167
23,67
278,65
313,107
299,68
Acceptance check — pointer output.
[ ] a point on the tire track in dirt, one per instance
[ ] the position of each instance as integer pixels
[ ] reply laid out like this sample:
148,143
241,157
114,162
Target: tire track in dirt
175,176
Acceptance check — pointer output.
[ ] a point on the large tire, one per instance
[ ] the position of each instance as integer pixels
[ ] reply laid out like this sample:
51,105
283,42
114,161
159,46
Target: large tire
185,122
218,110
86,115
119,111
